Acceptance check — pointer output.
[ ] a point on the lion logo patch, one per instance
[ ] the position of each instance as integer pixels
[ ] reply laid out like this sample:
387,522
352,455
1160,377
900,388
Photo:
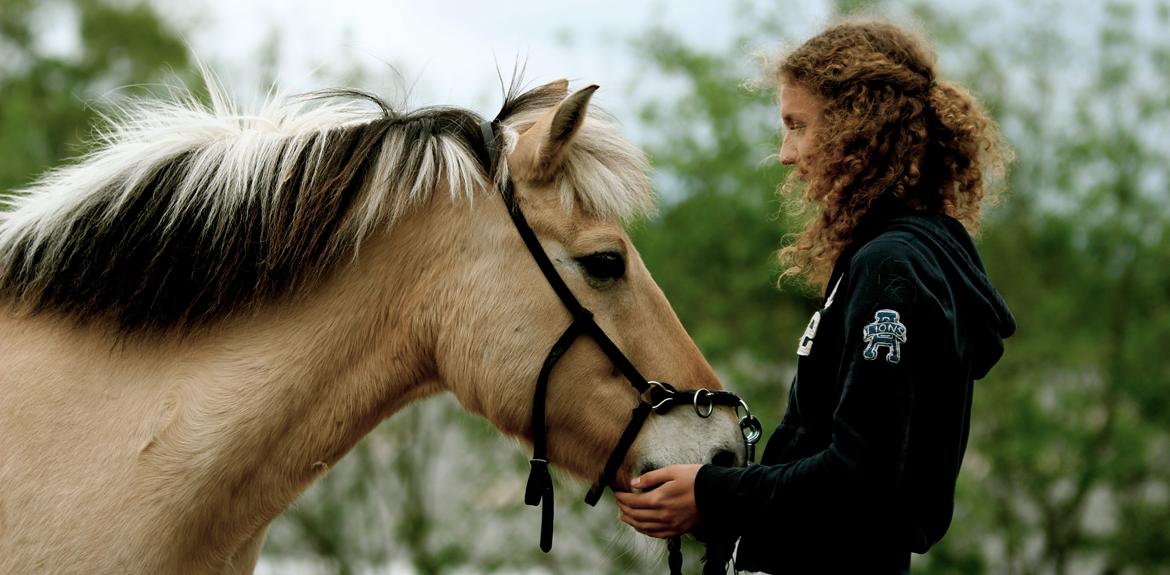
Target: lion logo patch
886,331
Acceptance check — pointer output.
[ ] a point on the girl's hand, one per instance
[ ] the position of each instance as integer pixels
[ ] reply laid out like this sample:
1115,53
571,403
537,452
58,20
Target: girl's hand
666,506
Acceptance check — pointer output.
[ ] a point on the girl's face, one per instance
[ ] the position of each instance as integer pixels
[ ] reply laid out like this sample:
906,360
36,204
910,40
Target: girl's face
800,111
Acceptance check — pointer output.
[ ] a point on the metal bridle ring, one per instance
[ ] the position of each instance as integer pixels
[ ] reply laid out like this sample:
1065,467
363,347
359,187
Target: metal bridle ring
710,403
751,429
744,405
748,424
647,395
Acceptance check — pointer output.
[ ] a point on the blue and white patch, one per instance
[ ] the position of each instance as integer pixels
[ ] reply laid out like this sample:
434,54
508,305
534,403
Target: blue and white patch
886,331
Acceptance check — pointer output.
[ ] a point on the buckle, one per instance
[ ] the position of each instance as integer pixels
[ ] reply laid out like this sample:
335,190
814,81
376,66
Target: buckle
539,482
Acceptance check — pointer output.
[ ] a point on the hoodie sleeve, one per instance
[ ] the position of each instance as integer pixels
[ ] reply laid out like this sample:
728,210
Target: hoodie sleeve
886,325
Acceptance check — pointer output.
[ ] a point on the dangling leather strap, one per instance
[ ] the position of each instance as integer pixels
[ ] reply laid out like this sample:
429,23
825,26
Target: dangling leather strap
674,555
539,491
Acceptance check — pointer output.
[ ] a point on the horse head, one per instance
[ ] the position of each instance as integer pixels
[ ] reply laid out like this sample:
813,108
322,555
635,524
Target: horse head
575,179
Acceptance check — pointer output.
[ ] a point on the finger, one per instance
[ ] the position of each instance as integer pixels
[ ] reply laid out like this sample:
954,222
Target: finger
646,515
643,519
627,498
632,522
662,497
639,501
662,532
658,530
652,478
650,519
651,528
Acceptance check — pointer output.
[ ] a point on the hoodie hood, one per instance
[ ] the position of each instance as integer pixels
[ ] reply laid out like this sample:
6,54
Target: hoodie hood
990,321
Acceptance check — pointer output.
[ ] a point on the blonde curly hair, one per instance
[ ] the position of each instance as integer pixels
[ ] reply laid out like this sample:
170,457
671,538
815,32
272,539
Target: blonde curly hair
893,137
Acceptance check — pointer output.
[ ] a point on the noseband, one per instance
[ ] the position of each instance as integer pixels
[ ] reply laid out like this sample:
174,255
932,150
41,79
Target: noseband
653,396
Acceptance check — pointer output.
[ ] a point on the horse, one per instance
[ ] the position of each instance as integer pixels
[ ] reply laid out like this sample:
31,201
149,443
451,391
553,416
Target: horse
206,312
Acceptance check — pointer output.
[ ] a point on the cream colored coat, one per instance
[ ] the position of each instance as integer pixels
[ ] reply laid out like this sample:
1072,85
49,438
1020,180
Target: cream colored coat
144,455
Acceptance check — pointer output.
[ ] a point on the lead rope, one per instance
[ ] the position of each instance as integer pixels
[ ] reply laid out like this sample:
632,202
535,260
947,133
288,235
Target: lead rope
674,555
718,553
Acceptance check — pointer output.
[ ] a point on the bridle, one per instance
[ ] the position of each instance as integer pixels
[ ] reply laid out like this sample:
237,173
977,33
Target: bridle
653,396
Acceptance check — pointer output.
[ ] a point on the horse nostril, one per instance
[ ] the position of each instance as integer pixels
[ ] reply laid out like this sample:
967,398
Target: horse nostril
647,468
723,458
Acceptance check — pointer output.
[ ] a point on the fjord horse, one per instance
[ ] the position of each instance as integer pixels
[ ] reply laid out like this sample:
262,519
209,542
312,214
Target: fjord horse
204,314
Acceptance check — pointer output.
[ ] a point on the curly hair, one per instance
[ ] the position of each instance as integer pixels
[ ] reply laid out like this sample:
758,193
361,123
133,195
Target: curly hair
892,138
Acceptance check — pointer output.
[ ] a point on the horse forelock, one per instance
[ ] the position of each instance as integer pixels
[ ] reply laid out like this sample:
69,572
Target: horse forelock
187,213
602,172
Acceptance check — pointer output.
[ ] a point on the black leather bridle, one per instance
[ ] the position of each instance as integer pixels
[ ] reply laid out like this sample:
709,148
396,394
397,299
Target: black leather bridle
653,396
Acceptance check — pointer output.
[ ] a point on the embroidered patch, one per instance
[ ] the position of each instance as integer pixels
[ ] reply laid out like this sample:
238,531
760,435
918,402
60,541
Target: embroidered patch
886,331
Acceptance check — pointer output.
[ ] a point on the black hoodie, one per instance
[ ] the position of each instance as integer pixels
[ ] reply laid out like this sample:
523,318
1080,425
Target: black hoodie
861,471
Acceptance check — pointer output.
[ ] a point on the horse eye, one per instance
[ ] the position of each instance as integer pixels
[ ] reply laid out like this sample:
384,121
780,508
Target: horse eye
603,267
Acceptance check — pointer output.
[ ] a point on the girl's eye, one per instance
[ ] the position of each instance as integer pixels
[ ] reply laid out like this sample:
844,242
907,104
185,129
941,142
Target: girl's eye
603,267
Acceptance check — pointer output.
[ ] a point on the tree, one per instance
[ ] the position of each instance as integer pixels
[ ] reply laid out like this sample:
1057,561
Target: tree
54,94
1073,424
711,246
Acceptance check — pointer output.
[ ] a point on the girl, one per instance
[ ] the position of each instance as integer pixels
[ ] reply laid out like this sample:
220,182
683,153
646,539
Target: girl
861,471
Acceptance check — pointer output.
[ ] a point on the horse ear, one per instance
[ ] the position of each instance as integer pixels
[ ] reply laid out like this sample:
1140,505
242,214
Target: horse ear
557,88
568,118
541,148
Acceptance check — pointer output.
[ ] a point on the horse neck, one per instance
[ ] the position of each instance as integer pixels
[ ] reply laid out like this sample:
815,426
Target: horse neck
268,404
193,445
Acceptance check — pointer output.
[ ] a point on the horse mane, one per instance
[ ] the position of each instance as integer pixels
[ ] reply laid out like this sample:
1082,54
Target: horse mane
187,213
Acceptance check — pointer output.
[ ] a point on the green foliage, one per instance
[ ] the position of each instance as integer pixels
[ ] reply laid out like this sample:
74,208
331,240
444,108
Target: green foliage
712,247
1073,422
51,97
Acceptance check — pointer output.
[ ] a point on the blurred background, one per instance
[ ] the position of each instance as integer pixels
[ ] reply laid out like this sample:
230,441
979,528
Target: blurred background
1068,469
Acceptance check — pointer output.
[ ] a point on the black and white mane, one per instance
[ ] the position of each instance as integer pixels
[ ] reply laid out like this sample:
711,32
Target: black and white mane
188,213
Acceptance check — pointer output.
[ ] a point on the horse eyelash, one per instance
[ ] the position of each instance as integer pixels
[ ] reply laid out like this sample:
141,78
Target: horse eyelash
592,262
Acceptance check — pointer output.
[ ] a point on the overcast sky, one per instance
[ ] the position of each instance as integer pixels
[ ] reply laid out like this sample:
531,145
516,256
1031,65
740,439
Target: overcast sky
449,49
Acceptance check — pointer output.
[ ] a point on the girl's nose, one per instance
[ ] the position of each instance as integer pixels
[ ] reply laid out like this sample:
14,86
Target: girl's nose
787,156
